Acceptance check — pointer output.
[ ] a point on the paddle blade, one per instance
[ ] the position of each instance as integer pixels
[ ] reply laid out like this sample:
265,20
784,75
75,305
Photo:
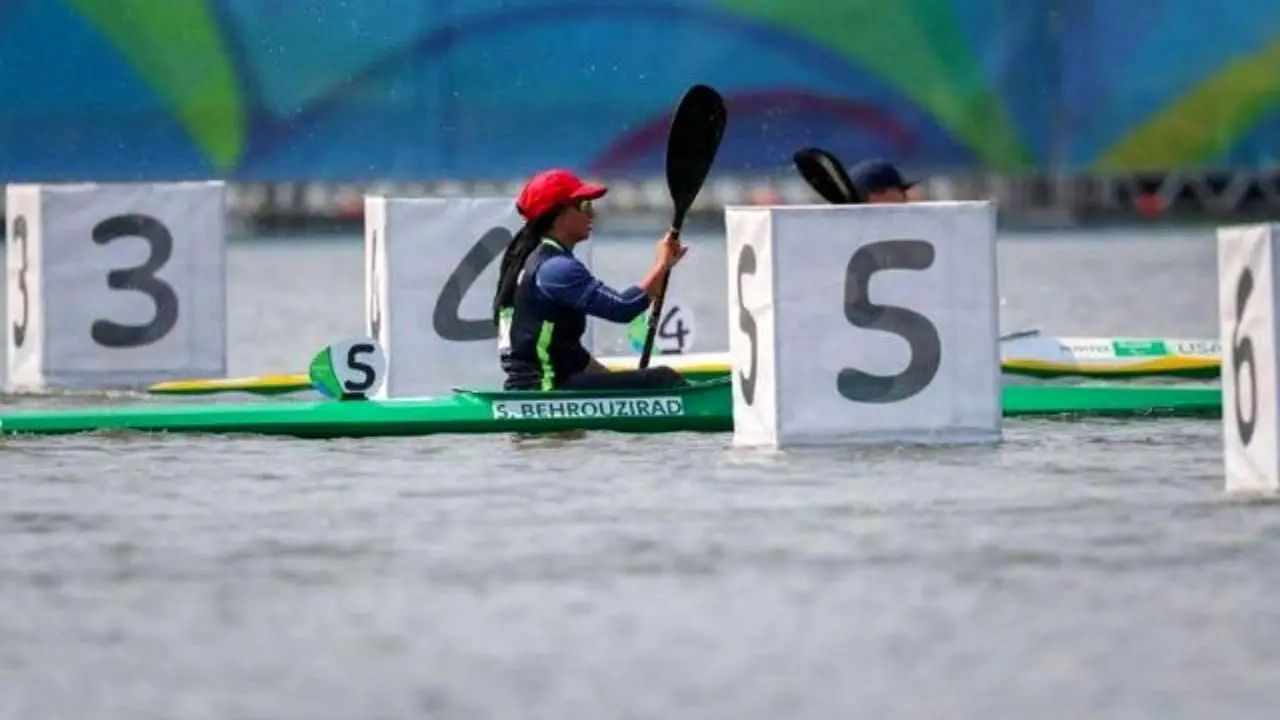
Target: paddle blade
349,370
1020,335
692,143
825,174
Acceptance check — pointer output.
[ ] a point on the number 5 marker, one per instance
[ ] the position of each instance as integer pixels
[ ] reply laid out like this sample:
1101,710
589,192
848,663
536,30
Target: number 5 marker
885,329
349,370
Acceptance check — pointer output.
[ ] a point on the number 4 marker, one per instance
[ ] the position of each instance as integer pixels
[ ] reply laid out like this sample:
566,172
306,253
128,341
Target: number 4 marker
431,265
676,334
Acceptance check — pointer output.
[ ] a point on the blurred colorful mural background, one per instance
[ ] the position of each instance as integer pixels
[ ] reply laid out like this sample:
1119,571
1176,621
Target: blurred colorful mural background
486,89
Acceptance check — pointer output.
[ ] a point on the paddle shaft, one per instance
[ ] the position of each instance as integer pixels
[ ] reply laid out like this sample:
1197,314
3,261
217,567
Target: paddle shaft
655,319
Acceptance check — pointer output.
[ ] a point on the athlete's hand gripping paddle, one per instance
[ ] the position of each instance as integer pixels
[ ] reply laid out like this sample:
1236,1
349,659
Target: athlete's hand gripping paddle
692,143
825,174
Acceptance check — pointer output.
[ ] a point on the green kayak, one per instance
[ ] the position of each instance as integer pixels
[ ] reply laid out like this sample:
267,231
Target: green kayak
705,406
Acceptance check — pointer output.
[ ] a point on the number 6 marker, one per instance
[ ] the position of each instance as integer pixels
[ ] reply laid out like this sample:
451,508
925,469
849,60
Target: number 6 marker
1247,312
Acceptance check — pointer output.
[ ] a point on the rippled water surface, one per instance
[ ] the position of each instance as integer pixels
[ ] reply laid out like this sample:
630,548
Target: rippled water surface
1086,569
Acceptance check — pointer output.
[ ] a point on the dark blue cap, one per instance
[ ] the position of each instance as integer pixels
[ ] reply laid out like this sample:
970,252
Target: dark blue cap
877,175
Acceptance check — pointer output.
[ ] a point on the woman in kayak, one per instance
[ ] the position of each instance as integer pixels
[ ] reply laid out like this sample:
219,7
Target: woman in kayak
545,294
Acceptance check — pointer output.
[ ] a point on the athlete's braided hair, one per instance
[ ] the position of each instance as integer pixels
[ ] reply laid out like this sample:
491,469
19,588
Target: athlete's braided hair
524,243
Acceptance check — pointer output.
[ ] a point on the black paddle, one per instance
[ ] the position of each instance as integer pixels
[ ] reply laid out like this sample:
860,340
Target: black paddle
692,143
827,175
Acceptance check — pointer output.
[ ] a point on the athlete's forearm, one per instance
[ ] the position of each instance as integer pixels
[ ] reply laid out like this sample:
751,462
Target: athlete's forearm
620,307
652,283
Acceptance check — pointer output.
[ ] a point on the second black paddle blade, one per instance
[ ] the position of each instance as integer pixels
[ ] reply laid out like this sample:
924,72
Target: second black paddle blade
694,140
826,175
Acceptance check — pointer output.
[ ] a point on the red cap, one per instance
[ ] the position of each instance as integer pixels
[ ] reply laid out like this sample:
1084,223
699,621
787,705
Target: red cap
553,188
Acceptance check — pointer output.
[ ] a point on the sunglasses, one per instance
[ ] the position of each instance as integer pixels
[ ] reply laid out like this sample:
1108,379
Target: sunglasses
584,206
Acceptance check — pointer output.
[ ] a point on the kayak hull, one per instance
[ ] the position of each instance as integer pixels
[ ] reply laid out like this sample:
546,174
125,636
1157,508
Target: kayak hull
698,368
703,407
1023,359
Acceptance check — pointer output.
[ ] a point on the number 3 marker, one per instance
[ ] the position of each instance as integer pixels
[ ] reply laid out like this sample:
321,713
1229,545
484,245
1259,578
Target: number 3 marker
115,286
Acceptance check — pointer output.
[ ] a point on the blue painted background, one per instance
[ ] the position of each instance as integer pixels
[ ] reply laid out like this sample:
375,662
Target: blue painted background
471,89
